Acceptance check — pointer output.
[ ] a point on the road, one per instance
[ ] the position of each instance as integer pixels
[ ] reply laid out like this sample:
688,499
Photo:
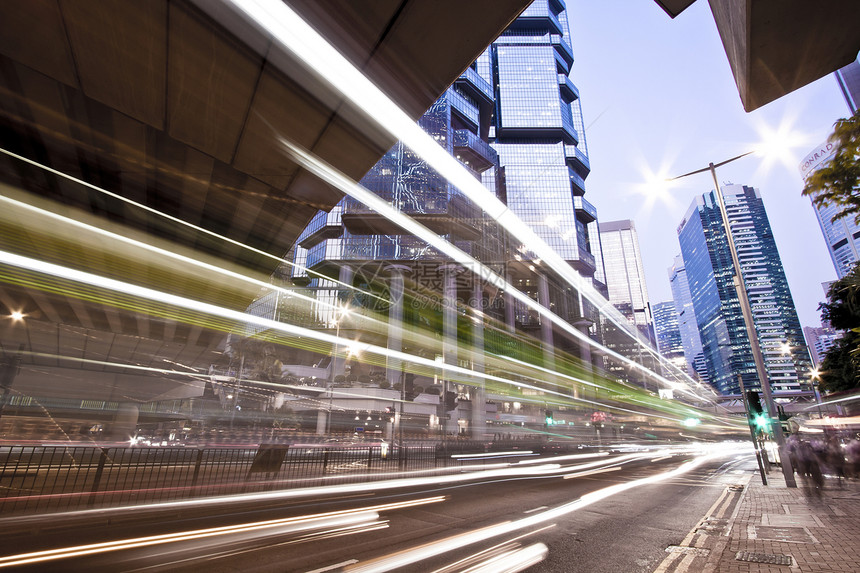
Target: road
610,512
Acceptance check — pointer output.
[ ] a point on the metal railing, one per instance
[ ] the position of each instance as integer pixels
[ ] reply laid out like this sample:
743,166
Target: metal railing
43,479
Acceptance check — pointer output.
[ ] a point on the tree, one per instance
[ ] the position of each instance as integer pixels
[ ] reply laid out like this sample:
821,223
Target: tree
838,180
841,364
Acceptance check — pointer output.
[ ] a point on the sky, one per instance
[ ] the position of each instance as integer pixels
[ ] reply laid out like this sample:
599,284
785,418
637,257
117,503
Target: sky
659,100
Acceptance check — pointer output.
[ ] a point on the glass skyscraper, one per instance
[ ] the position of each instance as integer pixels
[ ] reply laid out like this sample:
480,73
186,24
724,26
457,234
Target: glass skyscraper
849,82
667,333
625,277
538,133
843,235
704,247
691,341
513,119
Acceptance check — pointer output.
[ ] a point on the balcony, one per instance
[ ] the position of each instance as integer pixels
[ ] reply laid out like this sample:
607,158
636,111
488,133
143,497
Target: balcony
472,83
577,183
585,211
562,48
465,109
323,226
577,160
585,264
539,16
568,91
473,151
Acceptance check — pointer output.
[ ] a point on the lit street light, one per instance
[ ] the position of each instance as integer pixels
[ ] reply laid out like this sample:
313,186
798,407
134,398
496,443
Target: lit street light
740,289
343,312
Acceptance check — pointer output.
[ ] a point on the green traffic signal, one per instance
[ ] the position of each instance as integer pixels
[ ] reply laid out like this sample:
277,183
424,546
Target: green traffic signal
761,421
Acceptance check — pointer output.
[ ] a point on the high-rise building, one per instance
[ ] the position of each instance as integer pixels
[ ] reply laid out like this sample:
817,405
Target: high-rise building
667,333
539,135
513,119
691,341
843,235
820,340
704,247
849,82
625,277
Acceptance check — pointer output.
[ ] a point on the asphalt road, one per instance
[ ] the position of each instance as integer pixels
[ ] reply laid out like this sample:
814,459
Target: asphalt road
567,516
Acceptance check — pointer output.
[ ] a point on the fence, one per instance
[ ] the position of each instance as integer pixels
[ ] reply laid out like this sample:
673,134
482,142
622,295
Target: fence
41,479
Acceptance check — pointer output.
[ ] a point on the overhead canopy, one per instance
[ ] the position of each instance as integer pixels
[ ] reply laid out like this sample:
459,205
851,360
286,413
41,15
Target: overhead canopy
777,46
178,105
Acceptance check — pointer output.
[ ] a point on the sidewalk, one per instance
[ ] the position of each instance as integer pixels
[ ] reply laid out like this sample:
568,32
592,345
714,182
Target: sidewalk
774,529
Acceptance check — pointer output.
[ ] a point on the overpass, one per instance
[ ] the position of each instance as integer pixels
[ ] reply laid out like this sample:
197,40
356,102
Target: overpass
174,108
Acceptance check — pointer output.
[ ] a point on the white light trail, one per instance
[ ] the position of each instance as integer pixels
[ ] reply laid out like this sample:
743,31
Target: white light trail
411,556
172,219
243,318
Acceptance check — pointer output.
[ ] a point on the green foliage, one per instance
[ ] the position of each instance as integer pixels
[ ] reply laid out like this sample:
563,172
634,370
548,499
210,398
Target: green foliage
838,180
839,369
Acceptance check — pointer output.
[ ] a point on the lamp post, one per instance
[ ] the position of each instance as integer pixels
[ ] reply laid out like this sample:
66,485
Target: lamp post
816,380
746,311
344,311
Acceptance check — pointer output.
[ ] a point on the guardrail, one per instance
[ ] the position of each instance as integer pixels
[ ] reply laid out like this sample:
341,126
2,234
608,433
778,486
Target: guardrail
42,479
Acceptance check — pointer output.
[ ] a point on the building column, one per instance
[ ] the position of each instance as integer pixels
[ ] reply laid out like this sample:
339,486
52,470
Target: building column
322,421
395,322
477,424
546,324
510,308
449,340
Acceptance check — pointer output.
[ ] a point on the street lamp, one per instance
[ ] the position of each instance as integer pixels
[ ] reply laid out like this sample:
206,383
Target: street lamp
341,312
816,381
740,289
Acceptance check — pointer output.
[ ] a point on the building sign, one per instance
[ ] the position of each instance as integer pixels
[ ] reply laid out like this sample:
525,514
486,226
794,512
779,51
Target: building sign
818,156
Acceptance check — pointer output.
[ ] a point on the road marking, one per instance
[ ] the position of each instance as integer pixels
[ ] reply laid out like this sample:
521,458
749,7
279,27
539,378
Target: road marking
535,509
335,566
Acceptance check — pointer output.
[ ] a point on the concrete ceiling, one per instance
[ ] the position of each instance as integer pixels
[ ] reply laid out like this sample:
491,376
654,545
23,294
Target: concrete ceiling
179,108
177,105
777,46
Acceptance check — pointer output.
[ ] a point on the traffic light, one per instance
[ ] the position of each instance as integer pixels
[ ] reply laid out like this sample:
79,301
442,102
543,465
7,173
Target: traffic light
753,403
757,416
450,401
549,417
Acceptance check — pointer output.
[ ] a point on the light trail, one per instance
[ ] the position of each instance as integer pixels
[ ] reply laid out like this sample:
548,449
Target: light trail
172,219
111,237
238,317
330,520
414,555
485,273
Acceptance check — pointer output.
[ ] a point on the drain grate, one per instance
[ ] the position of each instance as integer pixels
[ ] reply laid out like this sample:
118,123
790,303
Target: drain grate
763,558
701,552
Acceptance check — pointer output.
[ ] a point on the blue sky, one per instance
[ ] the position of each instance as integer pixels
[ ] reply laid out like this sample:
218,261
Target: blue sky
658,96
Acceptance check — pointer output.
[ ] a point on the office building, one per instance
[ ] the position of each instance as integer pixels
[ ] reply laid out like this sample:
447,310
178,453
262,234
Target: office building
707,259
819,340
691,341
625,277
843,235
668,334
513,119
848,79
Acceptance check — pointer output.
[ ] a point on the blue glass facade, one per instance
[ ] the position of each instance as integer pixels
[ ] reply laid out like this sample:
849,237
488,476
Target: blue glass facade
537,133
704,247
687,325
708,262
842,236
667,333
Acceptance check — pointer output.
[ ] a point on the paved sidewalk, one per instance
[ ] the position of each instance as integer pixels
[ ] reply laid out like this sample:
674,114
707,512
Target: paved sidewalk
774,529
